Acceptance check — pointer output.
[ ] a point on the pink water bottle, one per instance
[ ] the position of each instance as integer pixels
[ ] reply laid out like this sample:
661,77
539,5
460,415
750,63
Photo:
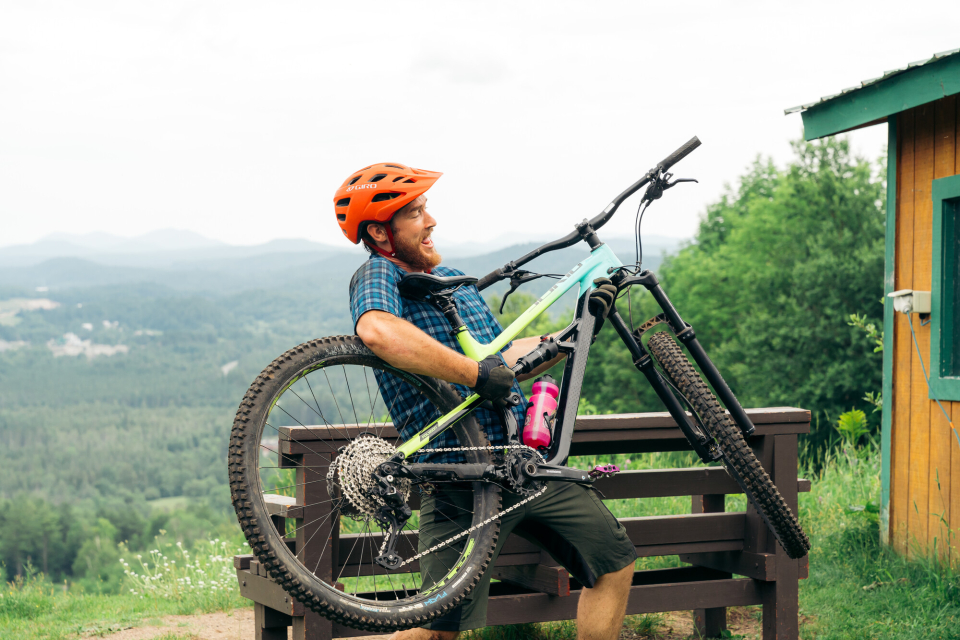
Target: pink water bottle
540,412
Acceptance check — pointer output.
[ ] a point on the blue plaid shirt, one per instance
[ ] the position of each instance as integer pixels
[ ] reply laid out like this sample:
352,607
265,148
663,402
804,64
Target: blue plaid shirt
374,287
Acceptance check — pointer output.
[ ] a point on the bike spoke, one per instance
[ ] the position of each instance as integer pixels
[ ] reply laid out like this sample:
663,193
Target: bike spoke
329,424
350,393
342,421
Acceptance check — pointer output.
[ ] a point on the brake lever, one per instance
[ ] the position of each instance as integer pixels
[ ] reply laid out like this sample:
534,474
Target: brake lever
517,278
661,183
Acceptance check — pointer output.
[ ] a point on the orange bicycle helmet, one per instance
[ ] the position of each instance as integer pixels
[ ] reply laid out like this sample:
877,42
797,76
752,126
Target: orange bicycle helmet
375,193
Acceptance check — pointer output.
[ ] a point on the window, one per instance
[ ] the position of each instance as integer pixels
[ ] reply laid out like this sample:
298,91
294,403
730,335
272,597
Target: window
945,299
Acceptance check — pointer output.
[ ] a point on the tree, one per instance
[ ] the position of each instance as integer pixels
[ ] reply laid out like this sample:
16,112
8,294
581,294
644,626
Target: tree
776,268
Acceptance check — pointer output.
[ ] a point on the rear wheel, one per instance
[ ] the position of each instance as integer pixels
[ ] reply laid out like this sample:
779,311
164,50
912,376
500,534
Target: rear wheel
321,402
738,457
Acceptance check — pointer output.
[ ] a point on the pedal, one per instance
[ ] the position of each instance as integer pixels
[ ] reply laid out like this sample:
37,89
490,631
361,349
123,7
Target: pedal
604,471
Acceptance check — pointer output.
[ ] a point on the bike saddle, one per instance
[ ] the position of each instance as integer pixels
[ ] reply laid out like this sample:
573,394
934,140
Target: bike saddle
418,286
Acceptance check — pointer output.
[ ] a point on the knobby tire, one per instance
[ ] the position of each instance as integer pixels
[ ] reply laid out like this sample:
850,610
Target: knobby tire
738,457
282,565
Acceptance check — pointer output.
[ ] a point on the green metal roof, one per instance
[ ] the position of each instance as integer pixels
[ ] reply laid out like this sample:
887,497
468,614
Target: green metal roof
874,99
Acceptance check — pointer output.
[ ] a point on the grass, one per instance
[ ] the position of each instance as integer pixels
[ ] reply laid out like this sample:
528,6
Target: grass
32,608
856,590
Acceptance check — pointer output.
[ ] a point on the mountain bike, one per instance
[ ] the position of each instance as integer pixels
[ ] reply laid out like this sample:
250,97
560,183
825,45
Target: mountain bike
332,386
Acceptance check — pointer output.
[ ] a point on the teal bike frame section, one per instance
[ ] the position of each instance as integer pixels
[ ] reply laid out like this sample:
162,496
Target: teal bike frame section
597,265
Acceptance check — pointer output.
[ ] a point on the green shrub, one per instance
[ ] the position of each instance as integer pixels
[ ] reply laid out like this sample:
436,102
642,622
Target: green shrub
26,597
201,580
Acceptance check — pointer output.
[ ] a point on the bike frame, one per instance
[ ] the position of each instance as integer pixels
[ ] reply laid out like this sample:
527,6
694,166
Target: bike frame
575,342
599,264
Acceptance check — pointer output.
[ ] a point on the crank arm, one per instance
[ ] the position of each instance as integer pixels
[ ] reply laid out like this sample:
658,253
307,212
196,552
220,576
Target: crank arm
556,472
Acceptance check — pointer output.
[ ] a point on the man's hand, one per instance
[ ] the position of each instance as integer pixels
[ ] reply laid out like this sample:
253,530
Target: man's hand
494,381
601,299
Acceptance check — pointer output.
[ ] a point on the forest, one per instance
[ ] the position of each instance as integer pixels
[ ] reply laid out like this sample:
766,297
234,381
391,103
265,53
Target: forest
96,450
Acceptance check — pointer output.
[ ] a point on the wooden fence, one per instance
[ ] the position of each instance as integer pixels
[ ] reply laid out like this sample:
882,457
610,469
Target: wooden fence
716,545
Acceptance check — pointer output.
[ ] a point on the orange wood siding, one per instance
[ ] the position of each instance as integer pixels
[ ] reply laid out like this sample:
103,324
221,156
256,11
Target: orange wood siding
925,457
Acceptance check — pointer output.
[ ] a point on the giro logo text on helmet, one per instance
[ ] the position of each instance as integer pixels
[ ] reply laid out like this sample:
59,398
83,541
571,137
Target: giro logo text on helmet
362,186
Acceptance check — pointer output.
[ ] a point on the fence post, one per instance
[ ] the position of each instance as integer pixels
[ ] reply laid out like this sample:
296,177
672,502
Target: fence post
709,623
318,540
781,598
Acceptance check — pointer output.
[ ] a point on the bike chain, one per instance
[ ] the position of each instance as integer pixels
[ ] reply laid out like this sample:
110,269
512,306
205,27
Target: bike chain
465,532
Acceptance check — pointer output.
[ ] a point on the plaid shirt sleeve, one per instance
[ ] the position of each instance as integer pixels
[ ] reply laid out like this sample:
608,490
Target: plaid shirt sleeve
374,287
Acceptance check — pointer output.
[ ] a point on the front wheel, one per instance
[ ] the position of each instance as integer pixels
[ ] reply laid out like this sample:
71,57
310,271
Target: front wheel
328,402
738,457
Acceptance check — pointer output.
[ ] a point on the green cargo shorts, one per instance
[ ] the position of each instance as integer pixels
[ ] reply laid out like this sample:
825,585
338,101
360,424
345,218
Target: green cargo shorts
569,522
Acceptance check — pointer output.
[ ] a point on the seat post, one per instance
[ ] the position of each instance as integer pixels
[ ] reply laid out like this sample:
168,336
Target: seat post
447,305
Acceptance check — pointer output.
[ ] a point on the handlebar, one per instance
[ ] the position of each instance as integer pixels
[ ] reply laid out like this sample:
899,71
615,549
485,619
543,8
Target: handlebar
598,221
679,154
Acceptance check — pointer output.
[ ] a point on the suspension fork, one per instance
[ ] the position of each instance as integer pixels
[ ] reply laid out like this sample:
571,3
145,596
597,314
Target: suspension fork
686,335
701,442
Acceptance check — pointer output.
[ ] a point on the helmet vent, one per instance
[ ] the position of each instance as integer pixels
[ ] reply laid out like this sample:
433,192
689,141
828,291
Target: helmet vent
380,197
398,179
342,202
342,217
395,166
378,177
355,178
408,180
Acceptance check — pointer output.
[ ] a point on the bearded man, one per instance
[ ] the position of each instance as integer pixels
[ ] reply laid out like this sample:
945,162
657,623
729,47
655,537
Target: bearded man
384,207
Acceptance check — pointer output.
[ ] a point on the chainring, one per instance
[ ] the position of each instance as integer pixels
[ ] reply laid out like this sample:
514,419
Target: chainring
513,468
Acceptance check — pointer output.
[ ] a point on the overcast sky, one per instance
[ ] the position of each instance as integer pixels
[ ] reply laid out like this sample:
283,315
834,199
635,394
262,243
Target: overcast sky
238,120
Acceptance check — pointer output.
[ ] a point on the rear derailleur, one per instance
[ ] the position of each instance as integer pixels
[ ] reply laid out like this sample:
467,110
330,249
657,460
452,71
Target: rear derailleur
392,516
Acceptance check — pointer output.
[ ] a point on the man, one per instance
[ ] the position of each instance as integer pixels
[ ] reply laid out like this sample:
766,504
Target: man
384,206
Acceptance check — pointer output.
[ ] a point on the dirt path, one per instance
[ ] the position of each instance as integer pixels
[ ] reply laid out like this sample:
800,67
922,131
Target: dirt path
238,625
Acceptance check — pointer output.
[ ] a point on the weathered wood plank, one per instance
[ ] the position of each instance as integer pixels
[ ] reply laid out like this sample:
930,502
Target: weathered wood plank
687,532
760,566
941,438
651,592
709,623
954,409
920,524
539,607
536,577
776,419
268,593
900,424
269,624
282,506
242,562
655,483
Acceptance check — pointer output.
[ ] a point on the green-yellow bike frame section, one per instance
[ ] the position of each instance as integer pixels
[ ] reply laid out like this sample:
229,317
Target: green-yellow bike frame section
599,264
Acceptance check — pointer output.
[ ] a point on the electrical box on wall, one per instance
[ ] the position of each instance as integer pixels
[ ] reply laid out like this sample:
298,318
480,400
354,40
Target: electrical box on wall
910,301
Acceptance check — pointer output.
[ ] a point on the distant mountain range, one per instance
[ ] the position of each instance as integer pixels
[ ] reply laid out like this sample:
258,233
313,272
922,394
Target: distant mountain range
186,261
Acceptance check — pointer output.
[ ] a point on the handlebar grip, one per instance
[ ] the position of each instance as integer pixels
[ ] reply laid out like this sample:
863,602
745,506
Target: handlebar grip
489,279
680,153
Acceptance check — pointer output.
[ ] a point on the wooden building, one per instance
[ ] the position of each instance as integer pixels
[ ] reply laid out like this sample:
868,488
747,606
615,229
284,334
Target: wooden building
921,450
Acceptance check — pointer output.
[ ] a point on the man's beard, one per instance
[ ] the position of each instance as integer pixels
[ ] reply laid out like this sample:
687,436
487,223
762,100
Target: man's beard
415,254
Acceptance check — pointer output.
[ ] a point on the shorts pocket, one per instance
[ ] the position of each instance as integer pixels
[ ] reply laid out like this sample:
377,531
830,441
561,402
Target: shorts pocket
616,529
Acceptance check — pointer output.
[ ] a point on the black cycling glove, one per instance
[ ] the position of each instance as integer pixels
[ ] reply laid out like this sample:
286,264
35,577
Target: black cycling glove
601,299
495,380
